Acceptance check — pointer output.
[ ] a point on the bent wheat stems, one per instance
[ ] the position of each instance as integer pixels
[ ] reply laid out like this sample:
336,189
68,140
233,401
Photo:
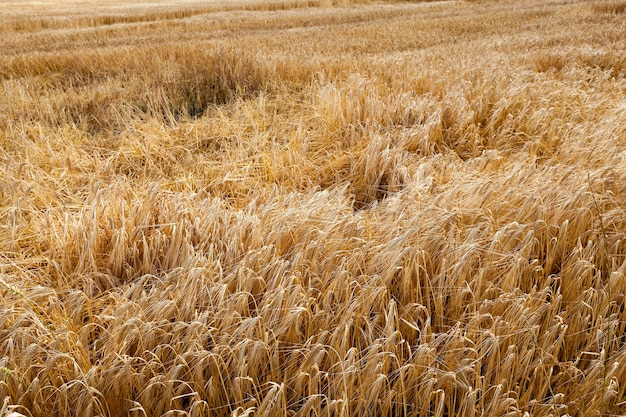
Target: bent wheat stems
312,208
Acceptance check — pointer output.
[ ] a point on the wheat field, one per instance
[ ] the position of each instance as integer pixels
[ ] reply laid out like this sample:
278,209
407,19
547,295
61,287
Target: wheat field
313,208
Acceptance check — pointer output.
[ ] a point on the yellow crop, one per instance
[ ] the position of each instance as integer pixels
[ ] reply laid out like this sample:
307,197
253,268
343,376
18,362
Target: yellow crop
312,208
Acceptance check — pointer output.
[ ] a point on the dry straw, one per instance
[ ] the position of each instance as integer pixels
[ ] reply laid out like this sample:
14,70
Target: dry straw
313,209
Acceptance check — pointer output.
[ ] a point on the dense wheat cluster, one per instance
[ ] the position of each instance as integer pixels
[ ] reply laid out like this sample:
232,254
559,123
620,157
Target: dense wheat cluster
313,208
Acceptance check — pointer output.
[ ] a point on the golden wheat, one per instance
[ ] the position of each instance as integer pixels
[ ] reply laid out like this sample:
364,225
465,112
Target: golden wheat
313,208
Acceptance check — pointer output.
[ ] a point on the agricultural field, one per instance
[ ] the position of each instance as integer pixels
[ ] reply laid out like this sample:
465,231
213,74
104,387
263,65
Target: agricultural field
313,208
